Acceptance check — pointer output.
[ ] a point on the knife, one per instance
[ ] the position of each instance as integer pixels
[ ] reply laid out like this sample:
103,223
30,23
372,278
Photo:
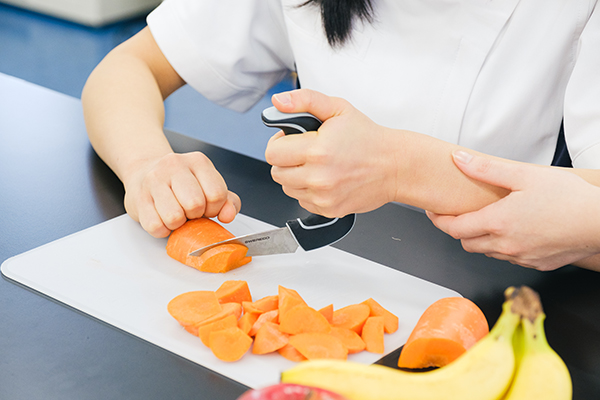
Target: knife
308,233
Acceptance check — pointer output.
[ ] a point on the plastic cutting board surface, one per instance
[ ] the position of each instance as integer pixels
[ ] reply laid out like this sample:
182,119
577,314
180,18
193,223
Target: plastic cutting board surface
118,273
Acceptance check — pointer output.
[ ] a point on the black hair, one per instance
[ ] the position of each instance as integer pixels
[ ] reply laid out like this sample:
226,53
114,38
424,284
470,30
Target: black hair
338,16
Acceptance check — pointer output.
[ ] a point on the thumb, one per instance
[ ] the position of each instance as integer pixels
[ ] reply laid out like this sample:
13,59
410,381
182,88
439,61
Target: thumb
505,174
310,101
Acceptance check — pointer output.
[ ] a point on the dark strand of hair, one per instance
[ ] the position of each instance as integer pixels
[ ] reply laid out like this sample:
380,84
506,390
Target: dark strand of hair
338,17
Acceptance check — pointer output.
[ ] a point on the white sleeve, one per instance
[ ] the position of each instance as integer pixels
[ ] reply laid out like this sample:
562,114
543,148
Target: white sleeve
582,99
231,51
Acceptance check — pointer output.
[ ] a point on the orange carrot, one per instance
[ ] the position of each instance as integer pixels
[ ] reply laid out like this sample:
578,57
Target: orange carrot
201,232
269,339
303,319
227,309
352,317
372,335
247,320
289,352
267,303
390,320
204,331
327,312
288,299
446,329
193,307
319,345
233,292
269,316
229,344
350,339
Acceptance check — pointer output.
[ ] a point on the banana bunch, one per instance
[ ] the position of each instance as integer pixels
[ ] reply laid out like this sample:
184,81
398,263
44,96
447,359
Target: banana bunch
540,372
514,361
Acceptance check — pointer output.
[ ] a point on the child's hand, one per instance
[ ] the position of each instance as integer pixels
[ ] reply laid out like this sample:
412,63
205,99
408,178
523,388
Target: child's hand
345,167
165,193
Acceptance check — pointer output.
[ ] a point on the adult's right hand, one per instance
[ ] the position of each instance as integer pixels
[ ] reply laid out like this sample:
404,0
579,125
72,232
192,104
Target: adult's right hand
164,193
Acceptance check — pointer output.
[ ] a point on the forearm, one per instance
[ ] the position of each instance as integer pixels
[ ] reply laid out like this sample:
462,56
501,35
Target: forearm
124,114
123,105
428,178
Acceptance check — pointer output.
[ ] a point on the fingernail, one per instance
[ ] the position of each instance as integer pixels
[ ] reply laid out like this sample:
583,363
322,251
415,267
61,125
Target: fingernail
284,98
462,156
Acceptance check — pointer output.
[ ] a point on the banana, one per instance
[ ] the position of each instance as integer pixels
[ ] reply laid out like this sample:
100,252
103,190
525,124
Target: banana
482,373
540,372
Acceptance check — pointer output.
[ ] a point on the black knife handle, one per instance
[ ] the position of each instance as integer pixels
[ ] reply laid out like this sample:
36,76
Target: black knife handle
313,231
290,123
316,231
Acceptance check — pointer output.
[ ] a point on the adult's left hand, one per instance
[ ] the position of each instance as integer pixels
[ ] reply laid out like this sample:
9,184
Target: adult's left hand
548,220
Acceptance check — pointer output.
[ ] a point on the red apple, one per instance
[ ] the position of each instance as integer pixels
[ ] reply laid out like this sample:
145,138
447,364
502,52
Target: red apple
290,391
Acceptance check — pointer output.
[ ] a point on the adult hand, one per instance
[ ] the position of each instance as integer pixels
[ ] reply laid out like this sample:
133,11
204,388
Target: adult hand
343,168
548,220
163,194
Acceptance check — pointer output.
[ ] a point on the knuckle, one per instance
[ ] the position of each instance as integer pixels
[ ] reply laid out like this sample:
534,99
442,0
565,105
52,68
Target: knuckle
173,219
195,205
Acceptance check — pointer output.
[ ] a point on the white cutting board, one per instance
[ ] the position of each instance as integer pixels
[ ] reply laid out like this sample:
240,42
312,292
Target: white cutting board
118,273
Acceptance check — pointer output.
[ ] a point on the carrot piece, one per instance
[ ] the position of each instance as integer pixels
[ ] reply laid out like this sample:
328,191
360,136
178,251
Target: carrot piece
288,299
390,320
352,317
372,335
197,233
229,344
205,330
269,339
267,303
233,292
303,319
191,308
247,320
350,339
446,329
316,345
226,310
269,316
289,352
234,309
327,312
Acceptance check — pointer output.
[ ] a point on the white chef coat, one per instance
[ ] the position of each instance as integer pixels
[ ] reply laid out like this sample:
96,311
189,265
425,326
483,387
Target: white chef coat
494,76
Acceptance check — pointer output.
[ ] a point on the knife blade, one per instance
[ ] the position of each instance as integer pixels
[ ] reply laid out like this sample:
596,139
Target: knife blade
308,233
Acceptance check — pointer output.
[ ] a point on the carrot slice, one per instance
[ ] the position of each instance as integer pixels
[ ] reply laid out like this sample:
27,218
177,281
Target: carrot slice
289,352
316,345
446,329
229,344
267,303
352,317
233,292
227,309
269,316
197,233
390,320
327,312
372,335
204,331
191,308
350,339
247,320
288,299
303,319
269,339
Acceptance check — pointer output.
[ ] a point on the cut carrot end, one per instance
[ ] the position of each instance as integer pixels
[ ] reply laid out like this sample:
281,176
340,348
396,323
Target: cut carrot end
229,344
